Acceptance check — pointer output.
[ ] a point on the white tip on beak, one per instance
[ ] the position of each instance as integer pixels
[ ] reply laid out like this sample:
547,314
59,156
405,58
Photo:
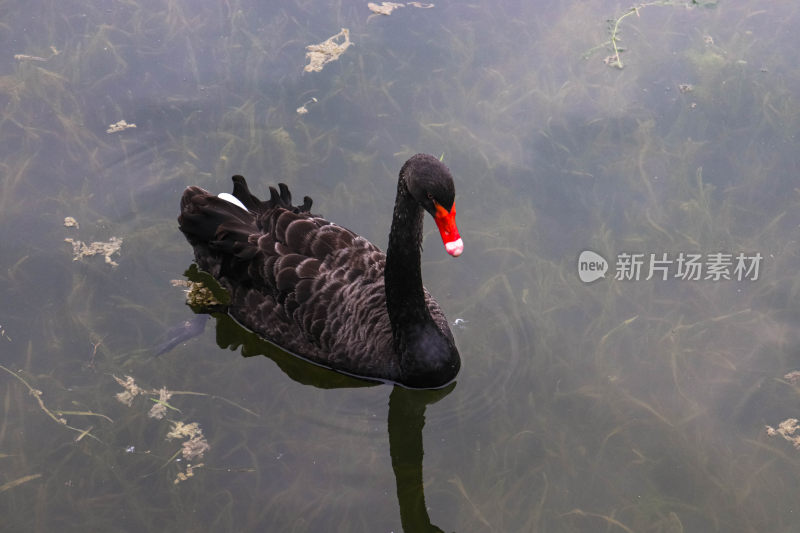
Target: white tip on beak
454,248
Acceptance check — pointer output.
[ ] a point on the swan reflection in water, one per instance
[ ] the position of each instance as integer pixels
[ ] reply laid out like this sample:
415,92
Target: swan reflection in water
405,421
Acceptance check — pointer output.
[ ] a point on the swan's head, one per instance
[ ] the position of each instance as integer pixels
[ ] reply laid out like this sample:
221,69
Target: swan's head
430,183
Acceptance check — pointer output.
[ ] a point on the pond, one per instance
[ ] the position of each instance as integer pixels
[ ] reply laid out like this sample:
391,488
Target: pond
626,306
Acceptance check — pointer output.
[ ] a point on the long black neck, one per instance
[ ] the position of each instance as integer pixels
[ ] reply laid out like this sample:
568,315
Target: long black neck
427,357
405,297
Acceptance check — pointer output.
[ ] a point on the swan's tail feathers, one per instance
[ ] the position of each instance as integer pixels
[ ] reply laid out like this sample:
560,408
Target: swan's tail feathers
306,207
242,192
278,199
217,223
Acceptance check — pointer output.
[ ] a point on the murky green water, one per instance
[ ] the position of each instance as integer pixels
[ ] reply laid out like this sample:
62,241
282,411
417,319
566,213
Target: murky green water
617,405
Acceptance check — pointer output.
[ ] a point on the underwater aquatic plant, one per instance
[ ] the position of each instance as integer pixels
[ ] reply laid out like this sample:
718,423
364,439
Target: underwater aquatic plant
615,59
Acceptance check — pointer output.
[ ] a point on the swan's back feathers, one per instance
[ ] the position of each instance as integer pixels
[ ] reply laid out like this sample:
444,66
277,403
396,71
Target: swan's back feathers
312,287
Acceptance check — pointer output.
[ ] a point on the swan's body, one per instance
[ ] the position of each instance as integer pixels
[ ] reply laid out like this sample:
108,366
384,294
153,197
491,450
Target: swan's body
322,292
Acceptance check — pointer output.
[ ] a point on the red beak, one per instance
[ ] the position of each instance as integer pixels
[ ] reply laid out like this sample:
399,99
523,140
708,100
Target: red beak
446,222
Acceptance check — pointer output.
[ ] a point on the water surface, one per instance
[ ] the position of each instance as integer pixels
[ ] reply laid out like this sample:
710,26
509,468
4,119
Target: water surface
617,405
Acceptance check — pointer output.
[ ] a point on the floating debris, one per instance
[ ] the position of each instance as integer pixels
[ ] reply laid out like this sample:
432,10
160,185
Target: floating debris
685,88
200,296
788,429
195,445
204,294
709,40
302,110
3,333
71,223
180,430
319,55
197,294
460,323
122,125
792,377
189,473
132,390
159,410
385,8
80,249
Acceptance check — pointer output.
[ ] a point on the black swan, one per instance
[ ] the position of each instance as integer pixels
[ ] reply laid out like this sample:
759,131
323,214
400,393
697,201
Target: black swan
320,291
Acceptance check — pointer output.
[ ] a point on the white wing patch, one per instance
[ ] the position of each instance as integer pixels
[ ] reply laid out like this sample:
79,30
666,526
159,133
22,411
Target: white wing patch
232,199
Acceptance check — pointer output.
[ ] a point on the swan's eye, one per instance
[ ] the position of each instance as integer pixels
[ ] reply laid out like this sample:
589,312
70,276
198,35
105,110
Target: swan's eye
430,196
